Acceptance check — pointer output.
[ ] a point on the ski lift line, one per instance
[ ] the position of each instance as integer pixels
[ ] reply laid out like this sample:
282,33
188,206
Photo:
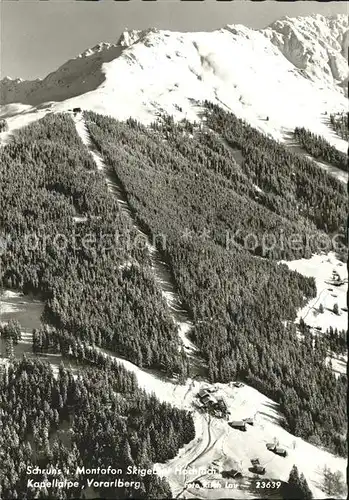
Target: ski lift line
165,283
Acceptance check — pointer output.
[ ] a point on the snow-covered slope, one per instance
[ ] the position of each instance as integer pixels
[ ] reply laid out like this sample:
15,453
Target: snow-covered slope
321,267
75,77
147,72
328,294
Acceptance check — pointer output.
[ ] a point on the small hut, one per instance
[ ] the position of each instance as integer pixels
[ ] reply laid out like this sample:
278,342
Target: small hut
258,469
238,424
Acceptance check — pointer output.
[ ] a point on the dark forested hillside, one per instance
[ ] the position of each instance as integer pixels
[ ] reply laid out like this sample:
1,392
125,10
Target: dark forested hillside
183,182
97,284
290,178
319,148
95,419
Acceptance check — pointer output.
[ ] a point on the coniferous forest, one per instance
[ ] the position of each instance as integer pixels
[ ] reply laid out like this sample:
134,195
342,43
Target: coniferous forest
319,148
95,419
183,181
47,178
228,203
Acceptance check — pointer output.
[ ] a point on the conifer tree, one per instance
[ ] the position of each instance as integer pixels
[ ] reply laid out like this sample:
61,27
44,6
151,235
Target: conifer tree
305,490
9,348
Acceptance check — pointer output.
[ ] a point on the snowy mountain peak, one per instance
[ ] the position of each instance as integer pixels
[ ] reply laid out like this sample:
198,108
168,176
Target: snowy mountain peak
9,79
96,49
292,73
129,37
316,45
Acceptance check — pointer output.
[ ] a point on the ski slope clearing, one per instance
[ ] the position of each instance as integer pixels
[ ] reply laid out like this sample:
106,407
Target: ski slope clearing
150,72
339,364
222,444
329,293
17,117
321,268
27,310
161,270
339,174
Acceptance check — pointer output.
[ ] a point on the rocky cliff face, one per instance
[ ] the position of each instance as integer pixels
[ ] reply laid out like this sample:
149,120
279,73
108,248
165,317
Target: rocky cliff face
316,45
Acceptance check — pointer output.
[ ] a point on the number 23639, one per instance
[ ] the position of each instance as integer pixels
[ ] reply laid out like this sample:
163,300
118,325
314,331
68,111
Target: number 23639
273,485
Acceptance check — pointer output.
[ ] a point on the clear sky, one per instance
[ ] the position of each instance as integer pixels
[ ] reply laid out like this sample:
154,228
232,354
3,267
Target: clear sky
37,37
